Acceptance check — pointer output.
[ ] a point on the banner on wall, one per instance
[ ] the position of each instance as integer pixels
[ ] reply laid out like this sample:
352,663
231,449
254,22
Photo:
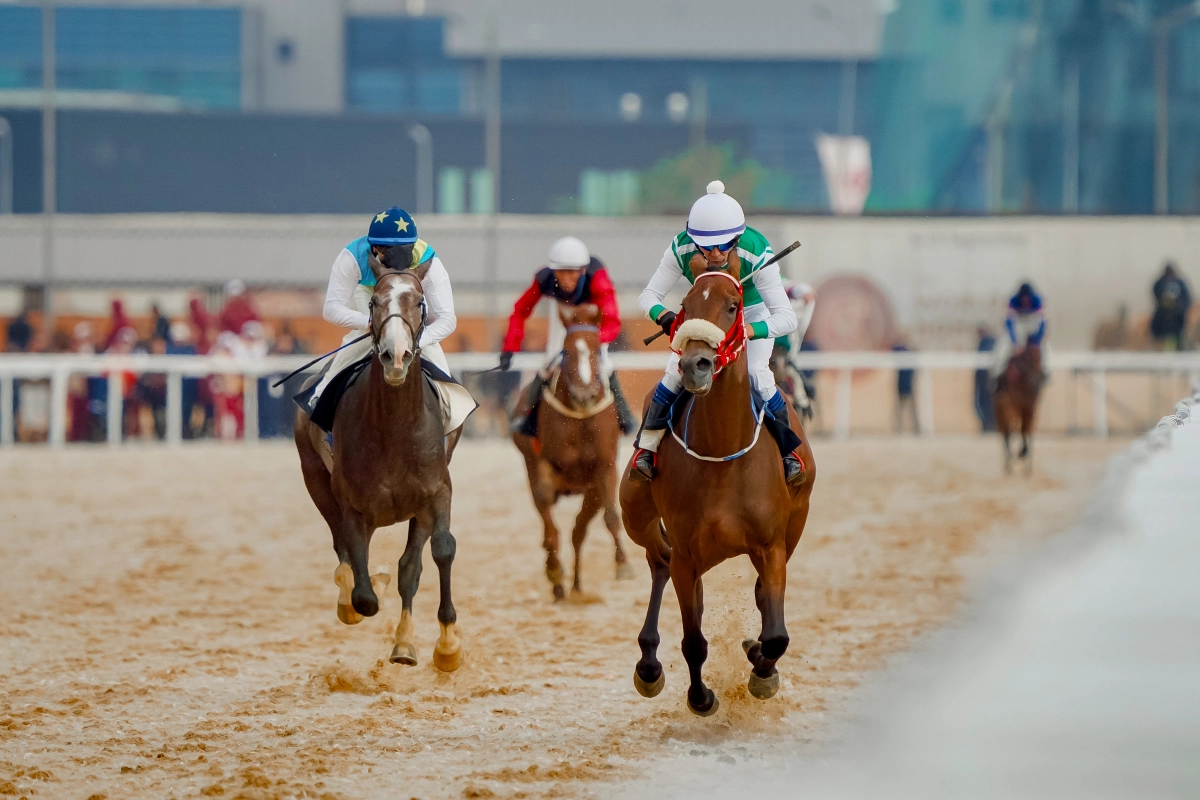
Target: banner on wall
846,162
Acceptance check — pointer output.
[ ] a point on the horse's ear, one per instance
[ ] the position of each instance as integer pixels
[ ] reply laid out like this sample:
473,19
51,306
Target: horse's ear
697,264
734,265
377,267
587,312
421,270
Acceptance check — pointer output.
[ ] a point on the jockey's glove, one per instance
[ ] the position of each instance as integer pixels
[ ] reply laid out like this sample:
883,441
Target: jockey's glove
666,320
506,361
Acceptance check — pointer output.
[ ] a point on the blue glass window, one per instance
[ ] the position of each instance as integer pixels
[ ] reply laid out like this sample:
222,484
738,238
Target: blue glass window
398,64
20,47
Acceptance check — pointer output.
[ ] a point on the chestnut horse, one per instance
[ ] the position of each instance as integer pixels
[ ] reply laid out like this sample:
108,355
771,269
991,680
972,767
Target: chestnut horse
1015,401
576,447
719,493
390,464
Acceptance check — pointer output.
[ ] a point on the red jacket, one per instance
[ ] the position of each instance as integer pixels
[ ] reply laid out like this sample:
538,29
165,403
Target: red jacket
594,287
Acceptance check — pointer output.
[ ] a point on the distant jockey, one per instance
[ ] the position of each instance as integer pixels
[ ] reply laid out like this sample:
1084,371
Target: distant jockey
1025,325
717,227
392,238
804,301
572,277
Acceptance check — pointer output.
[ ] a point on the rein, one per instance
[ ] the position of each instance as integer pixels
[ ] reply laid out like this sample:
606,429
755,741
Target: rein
758,425
734,343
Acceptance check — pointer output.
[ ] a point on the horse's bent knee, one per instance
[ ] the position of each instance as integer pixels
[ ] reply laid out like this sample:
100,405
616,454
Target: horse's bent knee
443,547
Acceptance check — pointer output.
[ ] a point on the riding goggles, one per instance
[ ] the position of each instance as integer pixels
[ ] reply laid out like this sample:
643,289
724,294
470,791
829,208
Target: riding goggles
721,248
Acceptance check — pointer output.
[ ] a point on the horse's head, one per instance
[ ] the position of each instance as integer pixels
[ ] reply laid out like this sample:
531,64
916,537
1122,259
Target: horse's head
710,334
397,320
581,353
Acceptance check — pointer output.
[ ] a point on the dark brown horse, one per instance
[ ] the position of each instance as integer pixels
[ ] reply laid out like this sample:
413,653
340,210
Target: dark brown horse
390,464
576,447
1015,401
719,493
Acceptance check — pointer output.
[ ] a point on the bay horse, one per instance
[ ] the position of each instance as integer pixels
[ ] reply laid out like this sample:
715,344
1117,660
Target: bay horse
1015,402
390,464
576,447
719,493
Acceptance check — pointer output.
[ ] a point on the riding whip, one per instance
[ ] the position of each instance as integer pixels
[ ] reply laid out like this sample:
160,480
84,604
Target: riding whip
771,261
317,360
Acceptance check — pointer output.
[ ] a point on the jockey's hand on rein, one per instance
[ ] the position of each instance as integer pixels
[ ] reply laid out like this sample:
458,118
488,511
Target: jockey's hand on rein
666,320
506,361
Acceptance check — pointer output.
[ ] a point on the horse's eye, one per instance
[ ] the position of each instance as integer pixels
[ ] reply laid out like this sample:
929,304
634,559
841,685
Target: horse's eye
732,307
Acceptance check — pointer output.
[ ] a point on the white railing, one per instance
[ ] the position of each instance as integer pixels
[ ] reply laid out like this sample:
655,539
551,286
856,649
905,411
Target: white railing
59,368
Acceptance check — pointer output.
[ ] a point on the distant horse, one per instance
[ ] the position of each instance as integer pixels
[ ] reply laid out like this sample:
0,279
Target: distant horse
719,493
390,464
1015,401
576,447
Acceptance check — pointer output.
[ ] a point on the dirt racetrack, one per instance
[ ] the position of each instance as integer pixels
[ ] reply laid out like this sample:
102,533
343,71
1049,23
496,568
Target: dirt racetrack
169,626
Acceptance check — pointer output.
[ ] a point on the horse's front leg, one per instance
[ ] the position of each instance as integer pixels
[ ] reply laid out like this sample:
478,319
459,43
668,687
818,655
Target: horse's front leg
1007,453
447,653
351,542
592,501
612,521
541,486
1027,451
648,676
408,579
772,639
689,589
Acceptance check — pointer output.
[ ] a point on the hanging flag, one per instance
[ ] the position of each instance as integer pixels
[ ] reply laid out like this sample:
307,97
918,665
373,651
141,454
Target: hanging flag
846,162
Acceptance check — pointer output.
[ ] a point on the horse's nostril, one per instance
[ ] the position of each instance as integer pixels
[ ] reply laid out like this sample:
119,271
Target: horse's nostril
703,364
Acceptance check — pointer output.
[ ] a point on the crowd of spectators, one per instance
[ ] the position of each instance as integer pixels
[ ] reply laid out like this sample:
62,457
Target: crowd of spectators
213,406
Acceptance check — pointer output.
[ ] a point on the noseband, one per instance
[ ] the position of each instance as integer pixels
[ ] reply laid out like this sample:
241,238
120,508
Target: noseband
415,334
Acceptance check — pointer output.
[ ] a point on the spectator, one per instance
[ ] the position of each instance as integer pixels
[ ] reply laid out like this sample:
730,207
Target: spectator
119,323
983,386
904,392
239,308
203,324
151,392
20,334
1171,303
286,343
162,325
195,414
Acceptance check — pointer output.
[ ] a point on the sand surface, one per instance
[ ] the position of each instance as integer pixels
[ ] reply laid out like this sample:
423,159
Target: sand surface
170,627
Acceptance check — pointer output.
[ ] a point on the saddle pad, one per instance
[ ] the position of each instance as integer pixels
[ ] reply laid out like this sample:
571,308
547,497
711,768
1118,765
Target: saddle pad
455,401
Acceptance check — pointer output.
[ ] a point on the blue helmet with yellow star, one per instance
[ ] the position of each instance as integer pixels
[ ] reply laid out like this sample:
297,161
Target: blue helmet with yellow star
392,227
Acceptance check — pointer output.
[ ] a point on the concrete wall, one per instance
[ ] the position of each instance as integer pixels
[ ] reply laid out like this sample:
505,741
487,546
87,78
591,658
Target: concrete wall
941,277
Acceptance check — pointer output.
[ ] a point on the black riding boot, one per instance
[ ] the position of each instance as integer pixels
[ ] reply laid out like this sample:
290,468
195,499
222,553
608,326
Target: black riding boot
525,419
625,418
779,424
657,418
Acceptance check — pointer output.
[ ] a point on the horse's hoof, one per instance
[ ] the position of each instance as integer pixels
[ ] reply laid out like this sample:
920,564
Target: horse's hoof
559,593
447,662
649,689
705,712
380,581
404,654
348,615
624,571
763,688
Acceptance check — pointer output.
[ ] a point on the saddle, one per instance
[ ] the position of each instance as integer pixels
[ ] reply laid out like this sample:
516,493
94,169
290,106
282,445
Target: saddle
323,412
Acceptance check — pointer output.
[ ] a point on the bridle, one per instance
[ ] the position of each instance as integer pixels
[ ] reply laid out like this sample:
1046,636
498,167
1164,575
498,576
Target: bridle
415,334
734,343
548,394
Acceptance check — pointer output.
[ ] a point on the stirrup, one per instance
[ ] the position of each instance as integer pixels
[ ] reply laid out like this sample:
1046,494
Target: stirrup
641,469
793,469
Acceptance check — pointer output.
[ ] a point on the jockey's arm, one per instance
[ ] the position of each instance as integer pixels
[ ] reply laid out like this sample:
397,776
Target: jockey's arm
339,297
663,281
783,318
439,301
522,310
1010,325
605,296
1035,338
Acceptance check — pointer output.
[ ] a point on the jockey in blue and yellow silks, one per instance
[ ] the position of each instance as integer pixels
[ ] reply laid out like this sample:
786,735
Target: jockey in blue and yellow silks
392,237
1024,325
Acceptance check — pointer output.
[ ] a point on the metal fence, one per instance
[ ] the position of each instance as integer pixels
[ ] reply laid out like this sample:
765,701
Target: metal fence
58,369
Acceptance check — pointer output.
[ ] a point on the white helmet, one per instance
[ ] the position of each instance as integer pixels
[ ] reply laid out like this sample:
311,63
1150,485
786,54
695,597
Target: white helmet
569,253
715,218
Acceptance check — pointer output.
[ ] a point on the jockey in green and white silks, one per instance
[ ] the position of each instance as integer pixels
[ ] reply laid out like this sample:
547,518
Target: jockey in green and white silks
392,237
716,227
